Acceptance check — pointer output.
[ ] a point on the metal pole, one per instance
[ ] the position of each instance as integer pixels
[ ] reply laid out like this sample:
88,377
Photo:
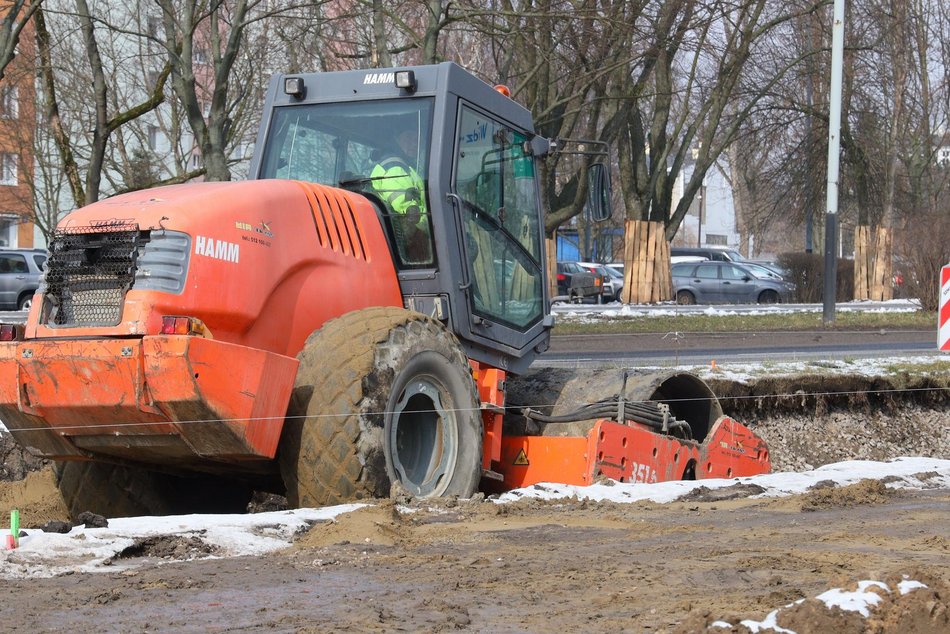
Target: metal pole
834,150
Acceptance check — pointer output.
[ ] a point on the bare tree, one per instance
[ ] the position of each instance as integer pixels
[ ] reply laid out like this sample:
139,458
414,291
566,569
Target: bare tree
86,189
17,14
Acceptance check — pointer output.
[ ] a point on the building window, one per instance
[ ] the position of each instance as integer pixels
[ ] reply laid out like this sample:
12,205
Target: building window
8,168
195,161
152,80
8,230
943,156
154,26
153,137
9,102
200,56
716,240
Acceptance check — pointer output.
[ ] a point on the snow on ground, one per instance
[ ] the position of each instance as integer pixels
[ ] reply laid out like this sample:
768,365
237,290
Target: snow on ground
587,313
749,371
861,601
93,549
775,484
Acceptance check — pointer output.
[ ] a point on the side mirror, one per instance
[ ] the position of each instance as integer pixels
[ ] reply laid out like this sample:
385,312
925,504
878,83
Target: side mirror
598,192
538,146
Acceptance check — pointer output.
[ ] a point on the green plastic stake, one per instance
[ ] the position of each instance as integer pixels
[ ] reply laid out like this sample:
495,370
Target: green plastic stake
15,527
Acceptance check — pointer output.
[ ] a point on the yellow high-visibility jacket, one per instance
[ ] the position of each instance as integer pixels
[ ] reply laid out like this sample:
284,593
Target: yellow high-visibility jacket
400,186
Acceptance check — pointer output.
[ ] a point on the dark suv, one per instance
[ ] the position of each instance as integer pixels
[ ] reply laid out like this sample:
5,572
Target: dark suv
20,271
577,283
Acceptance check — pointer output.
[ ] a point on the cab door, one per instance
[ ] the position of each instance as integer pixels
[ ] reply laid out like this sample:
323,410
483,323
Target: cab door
737,286
494,186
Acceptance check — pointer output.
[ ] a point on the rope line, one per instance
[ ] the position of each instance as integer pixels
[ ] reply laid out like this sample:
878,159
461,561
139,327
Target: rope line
515,408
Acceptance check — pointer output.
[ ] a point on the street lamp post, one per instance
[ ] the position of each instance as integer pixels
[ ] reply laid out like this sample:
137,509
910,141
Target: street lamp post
834,150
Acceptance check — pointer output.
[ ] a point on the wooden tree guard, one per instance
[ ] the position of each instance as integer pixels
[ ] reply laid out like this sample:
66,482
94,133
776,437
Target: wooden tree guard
872,263
550,252
646,256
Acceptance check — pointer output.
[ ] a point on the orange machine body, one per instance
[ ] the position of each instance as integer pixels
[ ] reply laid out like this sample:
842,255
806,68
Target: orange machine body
632,453
626,452
270,261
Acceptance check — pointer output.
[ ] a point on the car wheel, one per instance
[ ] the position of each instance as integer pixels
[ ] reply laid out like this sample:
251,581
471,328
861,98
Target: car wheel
25,302
768,297
685,298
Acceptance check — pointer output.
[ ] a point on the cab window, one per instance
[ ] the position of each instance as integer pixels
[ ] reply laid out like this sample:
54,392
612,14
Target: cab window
379,148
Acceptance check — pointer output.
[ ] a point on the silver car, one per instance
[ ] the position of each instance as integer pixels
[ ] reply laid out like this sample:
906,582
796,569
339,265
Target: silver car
20,272
725,283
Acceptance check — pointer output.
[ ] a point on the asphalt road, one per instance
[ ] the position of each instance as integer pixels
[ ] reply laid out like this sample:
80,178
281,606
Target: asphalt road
701,348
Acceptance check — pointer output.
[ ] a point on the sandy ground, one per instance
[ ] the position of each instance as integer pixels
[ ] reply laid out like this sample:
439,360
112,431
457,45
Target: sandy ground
535,566
538,566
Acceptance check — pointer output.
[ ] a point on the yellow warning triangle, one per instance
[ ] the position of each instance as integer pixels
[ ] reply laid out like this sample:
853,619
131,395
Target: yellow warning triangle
521,460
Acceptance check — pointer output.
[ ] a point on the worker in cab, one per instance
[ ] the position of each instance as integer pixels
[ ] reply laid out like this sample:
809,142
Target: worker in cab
397,183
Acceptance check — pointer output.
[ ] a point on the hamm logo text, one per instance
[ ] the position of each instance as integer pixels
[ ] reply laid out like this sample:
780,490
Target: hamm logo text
218,249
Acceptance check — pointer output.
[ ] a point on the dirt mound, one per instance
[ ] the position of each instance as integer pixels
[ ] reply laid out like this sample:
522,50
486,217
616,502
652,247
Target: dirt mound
379,525
920,610
36,497
733,492
863,492
167,547
15,461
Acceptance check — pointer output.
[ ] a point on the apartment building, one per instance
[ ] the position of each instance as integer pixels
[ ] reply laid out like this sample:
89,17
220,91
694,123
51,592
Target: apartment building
17,117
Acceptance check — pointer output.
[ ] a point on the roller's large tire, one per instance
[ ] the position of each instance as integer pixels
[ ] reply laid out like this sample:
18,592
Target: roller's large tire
382,395
118,491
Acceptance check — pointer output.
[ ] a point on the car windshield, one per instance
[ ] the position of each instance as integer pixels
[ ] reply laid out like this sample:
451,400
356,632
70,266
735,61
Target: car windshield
760,272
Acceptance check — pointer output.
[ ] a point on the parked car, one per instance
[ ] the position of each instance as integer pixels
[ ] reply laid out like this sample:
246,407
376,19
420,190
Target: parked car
719,254
677,259
612,279
725,282
576,283
762,271
20,272
772,265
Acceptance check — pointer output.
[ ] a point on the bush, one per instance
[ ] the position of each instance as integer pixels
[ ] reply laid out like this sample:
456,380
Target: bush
807,271
923,249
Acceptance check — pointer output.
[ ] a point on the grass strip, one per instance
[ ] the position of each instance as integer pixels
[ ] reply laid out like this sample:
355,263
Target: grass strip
919,320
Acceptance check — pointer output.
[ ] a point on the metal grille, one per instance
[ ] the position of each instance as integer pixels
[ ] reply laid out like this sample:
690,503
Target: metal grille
88,273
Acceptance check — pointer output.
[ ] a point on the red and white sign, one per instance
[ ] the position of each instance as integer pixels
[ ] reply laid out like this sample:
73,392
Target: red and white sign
943,315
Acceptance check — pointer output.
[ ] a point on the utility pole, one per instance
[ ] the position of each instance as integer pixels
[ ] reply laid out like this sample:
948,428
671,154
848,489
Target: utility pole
810,201
834,151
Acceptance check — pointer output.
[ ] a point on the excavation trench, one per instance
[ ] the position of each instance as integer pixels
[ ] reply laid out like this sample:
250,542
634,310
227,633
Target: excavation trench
808,421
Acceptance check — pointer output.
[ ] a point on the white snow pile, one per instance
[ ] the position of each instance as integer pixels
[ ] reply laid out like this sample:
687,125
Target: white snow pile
900,472
860,601
94,549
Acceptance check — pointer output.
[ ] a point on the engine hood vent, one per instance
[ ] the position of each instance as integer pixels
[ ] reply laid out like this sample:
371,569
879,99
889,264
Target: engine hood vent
89,271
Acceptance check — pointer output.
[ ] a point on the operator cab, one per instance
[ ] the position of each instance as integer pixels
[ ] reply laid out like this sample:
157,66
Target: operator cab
470,250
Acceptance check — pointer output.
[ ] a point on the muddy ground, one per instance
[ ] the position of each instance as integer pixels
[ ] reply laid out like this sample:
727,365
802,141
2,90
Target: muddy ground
536,566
